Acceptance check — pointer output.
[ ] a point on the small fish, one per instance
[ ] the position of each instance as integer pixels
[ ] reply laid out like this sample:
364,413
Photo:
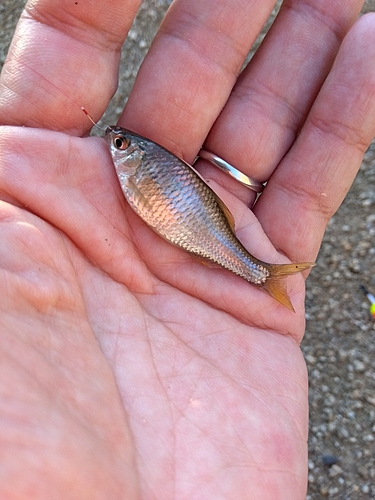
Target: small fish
172,198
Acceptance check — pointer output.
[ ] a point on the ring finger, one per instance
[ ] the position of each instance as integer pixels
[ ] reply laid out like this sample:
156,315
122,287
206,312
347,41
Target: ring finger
274,94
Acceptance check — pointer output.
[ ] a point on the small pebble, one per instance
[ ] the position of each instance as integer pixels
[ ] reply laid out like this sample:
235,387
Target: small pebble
329,460
335,470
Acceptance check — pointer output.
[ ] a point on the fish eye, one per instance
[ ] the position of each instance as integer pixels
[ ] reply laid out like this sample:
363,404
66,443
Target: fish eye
120,142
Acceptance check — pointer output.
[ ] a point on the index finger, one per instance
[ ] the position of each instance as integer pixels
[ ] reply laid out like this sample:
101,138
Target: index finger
63,55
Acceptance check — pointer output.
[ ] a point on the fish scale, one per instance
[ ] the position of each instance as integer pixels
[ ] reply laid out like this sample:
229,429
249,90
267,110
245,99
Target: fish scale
212,238
170,196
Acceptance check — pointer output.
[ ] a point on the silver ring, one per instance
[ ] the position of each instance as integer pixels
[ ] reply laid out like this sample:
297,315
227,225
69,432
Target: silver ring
230,170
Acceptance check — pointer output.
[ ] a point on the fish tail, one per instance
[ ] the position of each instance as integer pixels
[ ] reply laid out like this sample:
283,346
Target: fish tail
276,286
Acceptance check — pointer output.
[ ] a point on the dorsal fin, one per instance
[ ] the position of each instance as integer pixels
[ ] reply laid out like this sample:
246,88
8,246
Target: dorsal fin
228,214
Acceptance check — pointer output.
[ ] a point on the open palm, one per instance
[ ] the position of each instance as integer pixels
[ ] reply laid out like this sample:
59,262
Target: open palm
129,369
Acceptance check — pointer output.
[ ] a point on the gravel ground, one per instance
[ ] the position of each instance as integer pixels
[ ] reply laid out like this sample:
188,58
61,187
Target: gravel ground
339,344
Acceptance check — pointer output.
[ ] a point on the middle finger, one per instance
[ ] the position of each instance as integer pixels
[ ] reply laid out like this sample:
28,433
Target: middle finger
191,69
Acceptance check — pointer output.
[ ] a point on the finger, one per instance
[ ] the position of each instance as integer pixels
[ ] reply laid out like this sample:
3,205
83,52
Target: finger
275,92
190,70
311,182
63,55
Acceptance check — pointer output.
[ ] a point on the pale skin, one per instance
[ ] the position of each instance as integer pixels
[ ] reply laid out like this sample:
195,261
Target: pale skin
129,369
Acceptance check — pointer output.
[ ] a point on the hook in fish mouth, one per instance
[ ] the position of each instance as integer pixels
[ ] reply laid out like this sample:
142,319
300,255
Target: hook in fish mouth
245,180
226,167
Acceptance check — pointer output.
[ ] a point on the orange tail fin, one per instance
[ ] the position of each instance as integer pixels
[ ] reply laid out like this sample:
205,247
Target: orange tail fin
276,287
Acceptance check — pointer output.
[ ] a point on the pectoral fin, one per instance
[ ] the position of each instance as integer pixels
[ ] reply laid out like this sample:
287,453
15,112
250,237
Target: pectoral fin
136,198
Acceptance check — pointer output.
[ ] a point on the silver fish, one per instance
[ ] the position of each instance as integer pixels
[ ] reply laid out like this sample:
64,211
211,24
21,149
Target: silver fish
172,198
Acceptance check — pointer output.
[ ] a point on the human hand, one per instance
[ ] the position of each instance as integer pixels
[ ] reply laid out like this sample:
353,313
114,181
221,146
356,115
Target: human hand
128,368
